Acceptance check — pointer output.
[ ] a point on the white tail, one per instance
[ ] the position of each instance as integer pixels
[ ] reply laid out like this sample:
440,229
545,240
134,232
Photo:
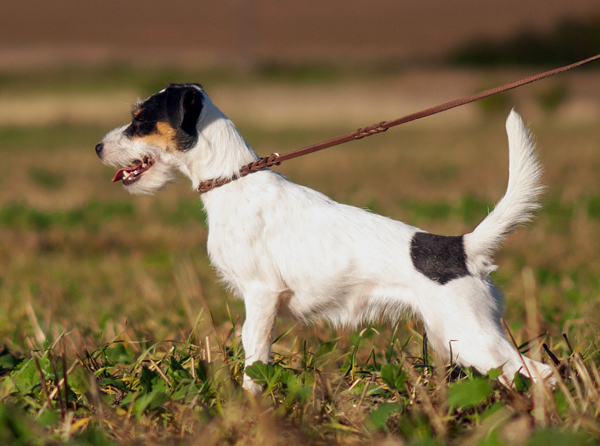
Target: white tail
517,205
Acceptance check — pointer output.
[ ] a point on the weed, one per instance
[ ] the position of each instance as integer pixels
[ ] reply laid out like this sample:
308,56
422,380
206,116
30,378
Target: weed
117,295
187,390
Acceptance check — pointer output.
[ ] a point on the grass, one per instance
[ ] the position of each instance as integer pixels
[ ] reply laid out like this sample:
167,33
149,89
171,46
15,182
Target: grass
116,293
110,77
370,387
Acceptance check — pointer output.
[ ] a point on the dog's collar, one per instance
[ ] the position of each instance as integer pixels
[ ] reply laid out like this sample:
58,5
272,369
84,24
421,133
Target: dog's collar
255,166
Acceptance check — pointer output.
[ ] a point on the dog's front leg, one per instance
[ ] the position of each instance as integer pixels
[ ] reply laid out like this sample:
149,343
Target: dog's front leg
257,332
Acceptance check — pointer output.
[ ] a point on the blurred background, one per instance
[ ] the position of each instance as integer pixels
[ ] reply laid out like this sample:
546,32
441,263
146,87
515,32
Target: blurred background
79,253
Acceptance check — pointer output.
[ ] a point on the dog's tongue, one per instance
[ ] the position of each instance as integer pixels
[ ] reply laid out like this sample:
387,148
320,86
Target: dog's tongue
124,172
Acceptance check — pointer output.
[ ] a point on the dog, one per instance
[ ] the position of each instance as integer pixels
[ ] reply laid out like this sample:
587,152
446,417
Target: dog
288,250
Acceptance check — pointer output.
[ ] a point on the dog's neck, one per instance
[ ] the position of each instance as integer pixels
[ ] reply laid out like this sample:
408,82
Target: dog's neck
220,151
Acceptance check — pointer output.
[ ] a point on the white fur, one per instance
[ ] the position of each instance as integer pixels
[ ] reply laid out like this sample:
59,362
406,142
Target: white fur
291,251
119,151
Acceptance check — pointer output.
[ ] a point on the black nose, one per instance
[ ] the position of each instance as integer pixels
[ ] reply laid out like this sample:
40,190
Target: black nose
99,148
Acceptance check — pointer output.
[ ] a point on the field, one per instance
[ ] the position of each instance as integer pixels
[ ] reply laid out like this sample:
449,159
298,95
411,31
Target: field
115,330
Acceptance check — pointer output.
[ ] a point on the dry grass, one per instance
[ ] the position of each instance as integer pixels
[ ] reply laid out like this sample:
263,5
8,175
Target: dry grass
84,267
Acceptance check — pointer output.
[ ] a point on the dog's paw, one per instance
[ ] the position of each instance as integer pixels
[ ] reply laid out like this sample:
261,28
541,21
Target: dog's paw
544,372
537,371
250,386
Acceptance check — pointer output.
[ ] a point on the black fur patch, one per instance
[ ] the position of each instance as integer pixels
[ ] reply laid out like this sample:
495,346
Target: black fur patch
439,257
179,105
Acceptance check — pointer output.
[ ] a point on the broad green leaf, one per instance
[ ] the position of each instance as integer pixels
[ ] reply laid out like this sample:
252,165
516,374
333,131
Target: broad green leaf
494,373
79,381
325,348
94,436
393,376
263,374
110,381
16,428
150,401
556,438
8,361
469,393
289,379
308,379
176,372
118,354
146,379
491,410
521,383
562,406
201,371
492,439
49,417
158,399
26,376
131,397
380,415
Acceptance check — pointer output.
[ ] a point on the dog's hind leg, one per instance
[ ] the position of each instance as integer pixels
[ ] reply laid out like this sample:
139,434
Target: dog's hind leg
257,331
464,318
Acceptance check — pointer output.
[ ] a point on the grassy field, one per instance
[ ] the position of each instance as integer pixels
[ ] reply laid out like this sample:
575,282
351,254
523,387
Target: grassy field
115,330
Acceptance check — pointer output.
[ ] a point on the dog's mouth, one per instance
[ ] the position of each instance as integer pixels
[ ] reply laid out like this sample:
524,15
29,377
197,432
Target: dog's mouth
134,171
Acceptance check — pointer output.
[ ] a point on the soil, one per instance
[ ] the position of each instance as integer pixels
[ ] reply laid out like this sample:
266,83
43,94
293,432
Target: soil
243,31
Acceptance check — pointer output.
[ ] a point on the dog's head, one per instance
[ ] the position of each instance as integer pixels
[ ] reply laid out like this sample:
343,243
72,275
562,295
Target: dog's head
163,128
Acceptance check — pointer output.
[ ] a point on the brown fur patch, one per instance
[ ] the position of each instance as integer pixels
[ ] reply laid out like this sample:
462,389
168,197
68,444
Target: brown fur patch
165,129
165,137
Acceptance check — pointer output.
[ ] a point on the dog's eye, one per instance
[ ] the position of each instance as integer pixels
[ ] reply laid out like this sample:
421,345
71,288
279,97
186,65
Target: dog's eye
140,127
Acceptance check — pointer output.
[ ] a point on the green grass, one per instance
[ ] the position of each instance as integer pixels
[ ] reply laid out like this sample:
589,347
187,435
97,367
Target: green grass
48,138
106,78
364,389
118,292
93,215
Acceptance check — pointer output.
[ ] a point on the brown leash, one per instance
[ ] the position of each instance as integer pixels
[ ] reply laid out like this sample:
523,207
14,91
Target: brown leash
276,159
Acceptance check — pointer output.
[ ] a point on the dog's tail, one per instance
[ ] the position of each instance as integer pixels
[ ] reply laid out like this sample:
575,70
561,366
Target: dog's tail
517,205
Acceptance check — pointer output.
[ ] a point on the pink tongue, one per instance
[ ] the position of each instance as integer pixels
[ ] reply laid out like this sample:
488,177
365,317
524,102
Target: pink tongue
120,175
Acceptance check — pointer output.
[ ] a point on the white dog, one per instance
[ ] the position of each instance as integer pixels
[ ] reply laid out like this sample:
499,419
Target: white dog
288,250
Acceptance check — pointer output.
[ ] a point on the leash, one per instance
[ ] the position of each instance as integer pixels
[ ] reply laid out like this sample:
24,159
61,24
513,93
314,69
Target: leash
275,159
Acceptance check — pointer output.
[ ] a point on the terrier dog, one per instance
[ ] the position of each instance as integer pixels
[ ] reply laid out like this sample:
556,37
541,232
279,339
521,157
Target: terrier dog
288,250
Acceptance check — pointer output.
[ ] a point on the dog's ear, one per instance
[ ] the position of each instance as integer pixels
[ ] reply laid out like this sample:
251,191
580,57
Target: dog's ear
184,105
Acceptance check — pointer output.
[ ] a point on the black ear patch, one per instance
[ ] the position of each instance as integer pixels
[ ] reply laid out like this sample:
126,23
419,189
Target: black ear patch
184,104
439,257
183,107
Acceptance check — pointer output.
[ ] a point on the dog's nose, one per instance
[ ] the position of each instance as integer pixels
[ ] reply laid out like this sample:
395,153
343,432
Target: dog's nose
99,148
